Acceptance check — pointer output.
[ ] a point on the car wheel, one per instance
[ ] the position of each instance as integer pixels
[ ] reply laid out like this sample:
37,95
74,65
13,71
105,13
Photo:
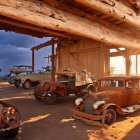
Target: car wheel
109,116
27,84
37,98
11,133
50,98
17,83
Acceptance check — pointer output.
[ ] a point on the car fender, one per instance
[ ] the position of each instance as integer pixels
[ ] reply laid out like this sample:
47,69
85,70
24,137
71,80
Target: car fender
115,107
5,104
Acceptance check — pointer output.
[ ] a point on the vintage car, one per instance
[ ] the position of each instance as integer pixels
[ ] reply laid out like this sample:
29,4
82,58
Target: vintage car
23,75
31,79
10,120
67,82
115,95
14,71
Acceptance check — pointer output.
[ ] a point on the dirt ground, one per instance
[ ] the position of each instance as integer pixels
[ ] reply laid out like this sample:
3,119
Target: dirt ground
54,122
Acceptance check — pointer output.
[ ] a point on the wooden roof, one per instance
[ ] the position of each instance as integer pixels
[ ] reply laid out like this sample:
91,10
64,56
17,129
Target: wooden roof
109,21
123,77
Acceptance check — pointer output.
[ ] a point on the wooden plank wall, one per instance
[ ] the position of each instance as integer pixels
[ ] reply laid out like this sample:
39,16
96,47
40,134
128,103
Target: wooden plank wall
84,54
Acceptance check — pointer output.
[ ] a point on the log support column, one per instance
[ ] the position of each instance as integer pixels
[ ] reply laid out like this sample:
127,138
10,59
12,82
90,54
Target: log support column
52,59
128,65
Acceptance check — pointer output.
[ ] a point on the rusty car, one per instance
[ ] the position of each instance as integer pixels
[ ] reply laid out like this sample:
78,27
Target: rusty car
10,120
115,95
66,83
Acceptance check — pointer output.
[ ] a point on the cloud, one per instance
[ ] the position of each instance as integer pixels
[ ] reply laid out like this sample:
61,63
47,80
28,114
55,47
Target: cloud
15,49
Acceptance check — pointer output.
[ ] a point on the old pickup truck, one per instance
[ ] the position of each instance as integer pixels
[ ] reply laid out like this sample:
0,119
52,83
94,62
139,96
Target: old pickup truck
115,95
10,120
66,83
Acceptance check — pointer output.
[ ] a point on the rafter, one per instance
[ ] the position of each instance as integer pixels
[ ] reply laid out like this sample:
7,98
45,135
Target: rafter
46,16
48,43
115,9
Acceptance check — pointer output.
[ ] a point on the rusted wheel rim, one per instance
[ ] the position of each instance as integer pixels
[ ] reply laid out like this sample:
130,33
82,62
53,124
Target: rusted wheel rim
109,116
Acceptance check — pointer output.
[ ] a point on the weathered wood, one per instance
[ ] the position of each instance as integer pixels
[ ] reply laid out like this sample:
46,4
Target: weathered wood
31,27
128,65
135,3
52,60
117,10
48,43
124,52
55,19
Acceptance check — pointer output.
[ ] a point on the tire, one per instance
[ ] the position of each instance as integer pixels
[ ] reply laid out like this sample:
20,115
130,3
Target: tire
50,99
37,98
11,133
17,83
26,84
109,116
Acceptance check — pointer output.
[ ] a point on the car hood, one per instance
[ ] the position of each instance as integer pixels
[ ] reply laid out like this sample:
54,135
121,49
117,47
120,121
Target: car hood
109,96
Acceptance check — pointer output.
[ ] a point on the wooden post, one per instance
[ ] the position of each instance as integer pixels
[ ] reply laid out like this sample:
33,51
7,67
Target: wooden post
107,62
128,65
52,59
59,59
33,60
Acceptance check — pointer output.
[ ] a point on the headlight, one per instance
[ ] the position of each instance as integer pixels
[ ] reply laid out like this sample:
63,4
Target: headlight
12,111
98,103
78,101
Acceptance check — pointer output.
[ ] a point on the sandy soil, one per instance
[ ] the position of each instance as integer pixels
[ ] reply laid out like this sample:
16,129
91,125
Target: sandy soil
54,122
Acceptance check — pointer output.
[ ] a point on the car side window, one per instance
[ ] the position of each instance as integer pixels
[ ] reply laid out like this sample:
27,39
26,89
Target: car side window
137,84
129,84
104,84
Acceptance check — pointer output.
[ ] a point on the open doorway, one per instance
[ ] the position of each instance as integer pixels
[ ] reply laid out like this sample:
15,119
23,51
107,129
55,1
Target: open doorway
117,65
135,64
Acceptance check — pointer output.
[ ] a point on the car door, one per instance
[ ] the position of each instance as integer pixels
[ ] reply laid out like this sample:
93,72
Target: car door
131,93
137,86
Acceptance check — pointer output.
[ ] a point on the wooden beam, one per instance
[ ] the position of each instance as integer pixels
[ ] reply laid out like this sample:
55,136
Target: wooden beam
135,3
115,9
128,65
121,53
53,18
48,43
124,52
31,27
52,59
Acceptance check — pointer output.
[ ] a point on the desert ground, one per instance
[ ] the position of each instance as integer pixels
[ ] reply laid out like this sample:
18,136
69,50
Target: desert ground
55,122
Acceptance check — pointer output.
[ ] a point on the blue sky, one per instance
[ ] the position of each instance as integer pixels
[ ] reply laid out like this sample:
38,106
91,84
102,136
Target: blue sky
15,49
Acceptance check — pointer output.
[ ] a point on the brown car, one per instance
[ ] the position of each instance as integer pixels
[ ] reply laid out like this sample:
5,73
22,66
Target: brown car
10,120
116,95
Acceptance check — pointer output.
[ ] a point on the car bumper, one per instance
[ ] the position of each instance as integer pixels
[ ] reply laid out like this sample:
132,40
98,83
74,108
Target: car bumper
87,118
2,129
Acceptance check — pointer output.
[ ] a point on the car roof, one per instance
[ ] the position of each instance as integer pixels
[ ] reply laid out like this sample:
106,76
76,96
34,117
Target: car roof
120,78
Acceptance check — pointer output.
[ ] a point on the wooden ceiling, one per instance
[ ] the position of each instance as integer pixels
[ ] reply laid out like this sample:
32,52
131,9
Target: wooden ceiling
125,11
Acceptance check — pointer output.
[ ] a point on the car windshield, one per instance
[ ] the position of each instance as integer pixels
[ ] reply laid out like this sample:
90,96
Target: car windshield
65,78
112,83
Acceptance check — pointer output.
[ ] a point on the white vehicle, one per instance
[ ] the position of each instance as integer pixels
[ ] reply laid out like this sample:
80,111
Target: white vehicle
32,79
20,68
